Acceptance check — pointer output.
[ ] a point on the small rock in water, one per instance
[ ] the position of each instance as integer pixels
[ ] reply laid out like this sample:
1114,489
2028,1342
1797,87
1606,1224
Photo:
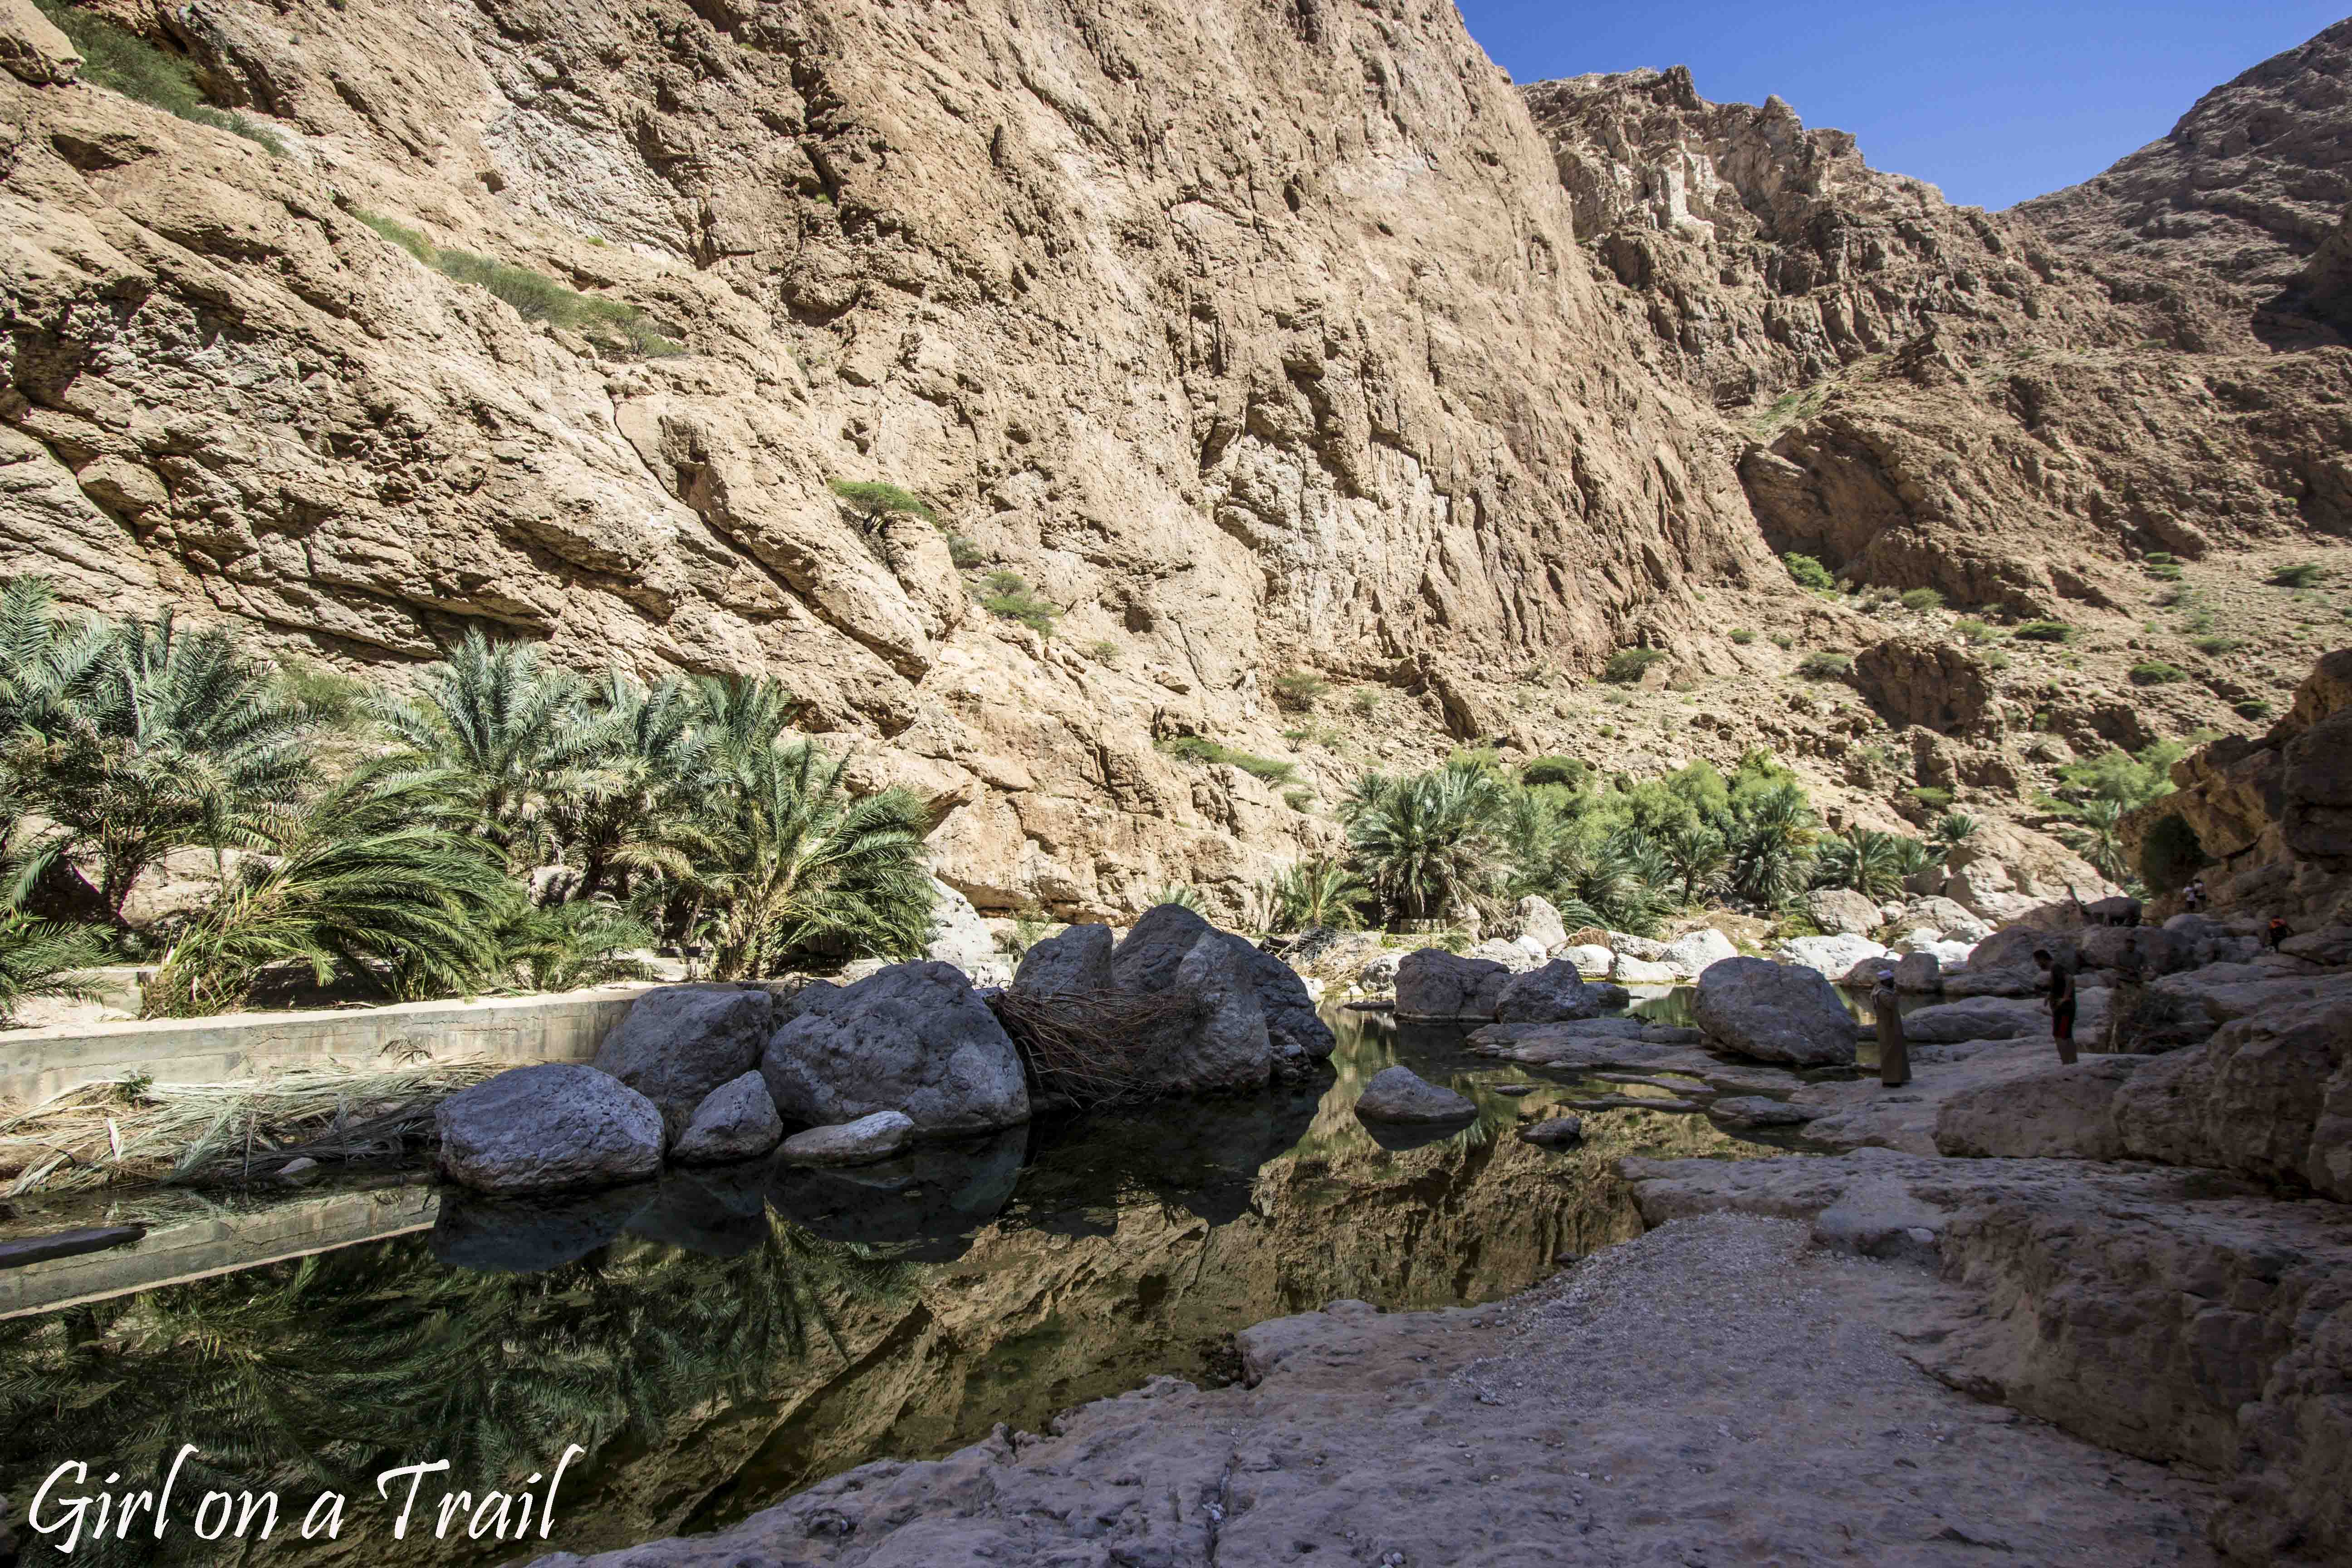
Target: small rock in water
1399,1094
297,1170
738,1120
1554,1132
1513,1089
859,1142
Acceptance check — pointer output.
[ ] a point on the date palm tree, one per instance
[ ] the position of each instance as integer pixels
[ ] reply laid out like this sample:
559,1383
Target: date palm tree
798,861
1698,854
1431,843
139,737
1316,892
1770,835
375,873
507,731
634,803
38,958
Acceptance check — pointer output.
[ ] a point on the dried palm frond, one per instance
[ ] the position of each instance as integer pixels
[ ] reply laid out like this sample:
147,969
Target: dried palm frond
131,1131
1095,1047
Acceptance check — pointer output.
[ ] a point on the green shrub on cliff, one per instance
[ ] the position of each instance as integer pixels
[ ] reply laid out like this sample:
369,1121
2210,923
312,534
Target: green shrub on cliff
122,61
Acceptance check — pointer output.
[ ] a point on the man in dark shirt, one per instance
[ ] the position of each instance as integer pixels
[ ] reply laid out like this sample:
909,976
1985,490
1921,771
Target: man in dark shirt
2061,1001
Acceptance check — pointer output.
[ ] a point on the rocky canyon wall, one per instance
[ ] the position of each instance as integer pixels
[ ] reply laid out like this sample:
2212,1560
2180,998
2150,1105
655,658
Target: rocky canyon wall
1247,335
2013,408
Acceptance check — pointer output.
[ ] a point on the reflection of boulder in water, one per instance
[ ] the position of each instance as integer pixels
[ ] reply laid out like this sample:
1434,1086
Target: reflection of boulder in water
922,1205
1406,1037
1201,1156
527,1235
719,1211
1397,1137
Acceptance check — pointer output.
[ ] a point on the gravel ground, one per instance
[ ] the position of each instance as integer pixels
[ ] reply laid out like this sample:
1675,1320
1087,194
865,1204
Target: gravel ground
1705,1395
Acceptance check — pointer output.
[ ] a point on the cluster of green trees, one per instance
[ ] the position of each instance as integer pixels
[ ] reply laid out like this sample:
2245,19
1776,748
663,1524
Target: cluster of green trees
505,823
1621,854
2094,795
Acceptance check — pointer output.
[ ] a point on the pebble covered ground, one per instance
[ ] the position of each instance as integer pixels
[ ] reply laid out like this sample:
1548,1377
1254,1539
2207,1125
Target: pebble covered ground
1709,1394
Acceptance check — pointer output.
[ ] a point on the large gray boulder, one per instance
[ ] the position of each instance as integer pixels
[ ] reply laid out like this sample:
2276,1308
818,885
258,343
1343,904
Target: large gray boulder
736,1120
1555,994
549,1128
1398,1094
1076,961
1146,958
958,935
679,1043
1774,1013
1434,985
1229,1046
1842,912
2002,964
913,1037
1299,1036
1918,971
1163,940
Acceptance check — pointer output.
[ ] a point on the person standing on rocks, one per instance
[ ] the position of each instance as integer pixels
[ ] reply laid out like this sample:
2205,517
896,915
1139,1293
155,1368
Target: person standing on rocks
1894,1051
2125,1001
2275,933
2062,1003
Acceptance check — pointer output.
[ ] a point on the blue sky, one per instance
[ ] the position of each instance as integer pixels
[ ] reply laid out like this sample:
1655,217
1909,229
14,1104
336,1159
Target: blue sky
1994,100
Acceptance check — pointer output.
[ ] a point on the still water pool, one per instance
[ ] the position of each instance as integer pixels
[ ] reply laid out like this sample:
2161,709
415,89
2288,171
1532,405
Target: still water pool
716,1341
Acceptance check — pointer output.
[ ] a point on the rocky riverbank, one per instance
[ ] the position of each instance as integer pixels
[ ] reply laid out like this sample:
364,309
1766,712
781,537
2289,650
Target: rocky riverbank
2098,1313
1713,1390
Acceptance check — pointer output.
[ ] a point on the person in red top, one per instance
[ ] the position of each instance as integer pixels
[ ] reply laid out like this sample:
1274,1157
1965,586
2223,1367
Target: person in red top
2061,1001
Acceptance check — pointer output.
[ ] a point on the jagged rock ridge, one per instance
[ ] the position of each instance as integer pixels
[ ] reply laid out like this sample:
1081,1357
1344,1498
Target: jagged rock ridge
2003,407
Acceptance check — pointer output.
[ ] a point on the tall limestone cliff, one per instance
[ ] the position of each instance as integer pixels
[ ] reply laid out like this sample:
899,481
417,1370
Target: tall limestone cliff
1249,336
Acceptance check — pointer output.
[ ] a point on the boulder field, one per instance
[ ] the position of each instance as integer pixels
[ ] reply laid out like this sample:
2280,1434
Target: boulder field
711,1074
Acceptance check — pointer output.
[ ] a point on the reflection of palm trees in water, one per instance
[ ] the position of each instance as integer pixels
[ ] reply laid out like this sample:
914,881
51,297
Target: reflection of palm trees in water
319,1373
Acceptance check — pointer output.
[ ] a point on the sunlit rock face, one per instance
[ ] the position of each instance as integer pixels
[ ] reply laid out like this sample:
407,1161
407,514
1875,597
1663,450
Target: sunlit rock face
1245,337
